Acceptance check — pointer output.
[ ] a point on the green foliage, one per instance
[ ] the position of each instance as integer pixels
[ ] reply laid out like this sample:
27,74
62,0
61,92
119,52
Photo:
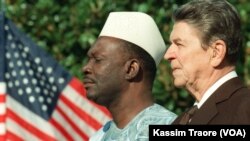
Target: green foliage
67,28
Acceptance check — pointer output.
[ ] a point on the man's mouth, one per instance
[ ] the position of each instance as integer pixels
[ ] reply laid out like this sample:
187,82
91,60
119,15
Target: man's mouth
88,82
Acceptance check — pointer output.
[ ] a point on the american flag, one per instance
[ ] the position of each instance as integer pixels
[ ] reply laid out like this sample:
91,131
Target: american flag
39,100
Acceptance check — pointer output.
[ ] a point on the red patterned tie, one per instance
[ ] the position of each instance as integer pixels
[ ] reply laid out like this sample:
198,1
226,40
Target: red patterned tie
188,115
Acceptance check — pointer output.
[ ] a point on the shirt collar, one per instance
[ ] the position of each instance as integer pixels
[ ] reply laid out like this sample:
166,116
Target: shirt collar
214,87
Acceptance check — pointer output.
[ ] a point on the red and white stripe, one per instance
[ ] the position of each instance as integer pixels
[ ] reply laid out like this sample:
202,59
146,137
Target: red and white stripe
74,118
2,111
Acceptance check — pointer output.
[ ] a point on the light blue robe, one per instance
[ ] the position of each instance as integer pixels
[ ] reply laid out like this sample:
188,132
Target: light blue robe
137,129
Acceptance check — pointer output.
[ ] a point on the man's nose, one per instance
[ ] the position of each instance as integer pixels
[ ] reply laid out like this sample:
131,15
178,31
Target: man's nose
170,53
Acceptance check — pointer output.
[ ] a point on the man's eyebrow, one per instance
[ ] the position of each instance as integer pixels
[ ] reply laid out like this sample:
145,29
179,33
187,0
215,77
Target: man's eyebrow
177,40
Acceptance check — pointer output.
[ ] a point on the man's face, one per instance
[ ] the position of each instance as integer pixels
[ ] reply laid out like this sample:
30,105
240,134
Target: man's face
189,61
104,71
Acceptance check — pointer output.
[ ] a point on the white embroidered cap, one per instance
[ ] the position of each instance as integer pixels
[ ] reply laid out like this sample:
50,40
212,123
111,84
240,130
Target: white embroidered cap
137,28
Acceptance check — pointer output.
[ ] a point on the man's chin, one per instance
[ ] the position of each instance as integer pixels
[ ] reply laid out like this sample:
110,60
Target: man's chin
178,84
92,97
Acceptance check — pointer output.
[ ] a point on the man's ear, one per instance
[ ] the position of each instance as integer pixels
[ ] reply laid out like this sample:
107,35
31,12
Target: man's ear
218,52
132,68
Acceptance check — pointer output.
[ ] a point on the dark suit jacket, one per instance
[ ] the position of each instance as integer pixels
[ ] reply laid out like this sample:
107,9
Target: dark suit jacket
229,104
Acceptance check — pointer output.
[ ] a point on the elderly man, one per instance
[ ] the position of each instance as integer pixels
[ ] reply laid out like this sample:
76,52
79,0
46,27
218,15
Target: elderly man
205,45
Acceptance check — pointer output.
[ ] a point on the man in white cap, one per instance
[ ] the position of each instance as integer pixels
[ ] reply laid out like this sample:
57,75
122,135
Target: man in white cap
120,73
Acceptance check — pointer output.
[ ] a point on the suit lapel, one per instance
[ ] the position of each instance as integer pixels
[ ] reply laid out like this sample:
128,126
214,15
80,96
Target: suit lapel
205,113
177,120
209,109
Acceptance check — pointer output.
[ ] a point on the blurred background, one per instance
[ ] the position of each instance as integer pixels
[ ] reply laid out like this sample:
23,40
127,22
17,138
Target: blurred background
67,29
